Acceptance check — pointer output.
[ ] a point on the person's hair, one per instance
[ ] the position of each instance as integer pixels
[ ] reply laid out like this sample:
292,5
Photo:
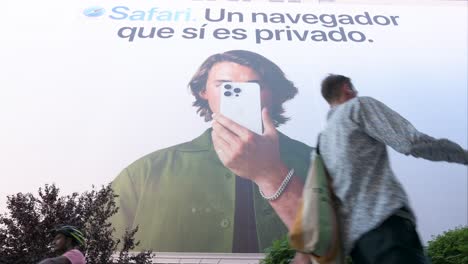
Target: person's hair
271,76
331,86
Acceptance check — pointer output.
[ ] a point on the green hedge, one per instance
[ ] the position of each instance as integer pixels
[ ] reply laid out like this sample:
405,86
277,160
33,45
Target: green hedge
281,253
451,247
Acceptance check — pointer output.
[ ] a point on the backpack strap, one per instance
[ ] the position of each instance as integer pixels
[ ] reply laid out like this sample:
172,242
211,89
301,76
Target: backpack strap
317,149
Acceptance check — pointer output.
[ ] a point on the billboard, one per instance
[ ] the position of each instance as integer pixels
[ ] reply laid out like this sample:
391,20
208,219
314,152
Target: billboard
93,92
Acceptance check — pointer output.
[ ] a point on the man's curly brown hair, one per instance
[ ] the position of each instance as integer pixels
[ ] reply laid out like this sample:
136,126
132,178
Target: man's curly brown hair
271,76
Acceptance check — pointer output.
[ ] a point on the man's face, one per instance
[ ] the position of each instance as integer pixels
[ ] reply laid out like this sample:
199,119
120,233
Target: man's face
60,242
353,91
232,72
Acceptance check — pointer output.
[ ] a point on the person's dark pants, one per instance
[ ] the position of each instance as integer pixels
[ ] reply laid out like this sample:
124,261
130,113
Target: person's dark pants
395,241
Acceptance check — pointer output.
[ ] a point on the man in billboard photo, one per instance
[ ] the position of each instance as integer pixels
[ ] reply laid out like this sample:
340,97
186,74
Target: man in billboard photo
379,225
210,194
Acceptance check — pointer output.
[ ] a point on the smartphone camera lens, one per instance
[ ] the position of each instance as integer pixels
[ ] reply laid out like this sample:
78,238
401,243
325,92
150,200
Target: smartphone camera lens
237,90
227,93
227,86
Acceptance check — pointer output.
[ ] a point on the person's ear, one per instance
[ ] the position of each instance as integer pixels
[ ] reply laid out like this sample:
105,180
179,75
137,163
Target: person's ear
202,94
69,242
347,90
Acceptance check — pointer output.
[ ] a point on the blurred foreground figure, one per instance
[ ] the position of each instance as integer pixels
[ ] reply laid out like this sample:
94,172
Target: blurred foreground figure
378,223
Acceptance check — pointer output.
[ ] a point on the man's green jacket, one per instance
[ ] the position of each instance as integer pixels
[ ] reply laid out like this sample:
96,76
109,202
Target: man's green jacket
182,198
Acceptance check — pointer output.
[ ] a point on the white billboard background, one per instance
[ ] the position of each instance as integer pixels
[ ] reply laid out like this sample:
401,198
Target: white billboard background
78,103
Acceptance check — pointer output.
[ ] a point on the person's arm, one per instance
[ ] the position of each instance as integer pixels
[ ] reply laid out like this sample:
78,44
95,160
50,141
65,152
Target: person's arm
57,260
387,126
257,158
127,202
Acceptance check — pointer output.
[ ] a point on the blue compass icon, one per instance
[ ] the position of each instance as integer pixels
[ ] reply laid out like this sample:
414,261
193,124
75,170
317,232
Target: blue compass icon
94,11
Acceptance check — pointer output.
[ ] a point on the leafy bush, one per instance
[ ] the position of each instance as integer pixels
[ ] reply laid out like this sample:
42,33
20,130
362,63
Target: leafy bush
451,247
25,230
281,253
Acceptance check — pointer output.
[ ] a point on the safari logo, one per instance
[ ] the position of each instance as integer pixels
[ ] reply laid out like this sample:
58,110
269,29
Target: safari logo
94,11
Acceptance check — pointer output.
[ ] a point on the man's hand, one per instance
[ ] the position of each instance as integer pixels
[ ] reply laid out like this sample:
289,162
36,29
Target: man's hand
247,154
257,158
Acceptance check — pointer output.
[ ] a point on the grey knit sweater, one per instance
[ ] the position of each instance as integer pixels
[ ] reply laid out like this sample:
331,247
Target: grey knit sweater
353,146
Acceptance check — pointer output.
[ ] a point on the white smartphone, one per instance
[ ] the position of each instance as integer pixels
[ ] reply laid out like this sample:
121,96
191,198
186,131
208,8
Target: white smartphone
240,102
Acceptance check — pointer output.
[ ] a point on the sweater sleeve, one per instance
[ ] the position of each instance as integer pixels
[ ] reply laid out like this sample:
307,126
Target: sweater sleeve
387,126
